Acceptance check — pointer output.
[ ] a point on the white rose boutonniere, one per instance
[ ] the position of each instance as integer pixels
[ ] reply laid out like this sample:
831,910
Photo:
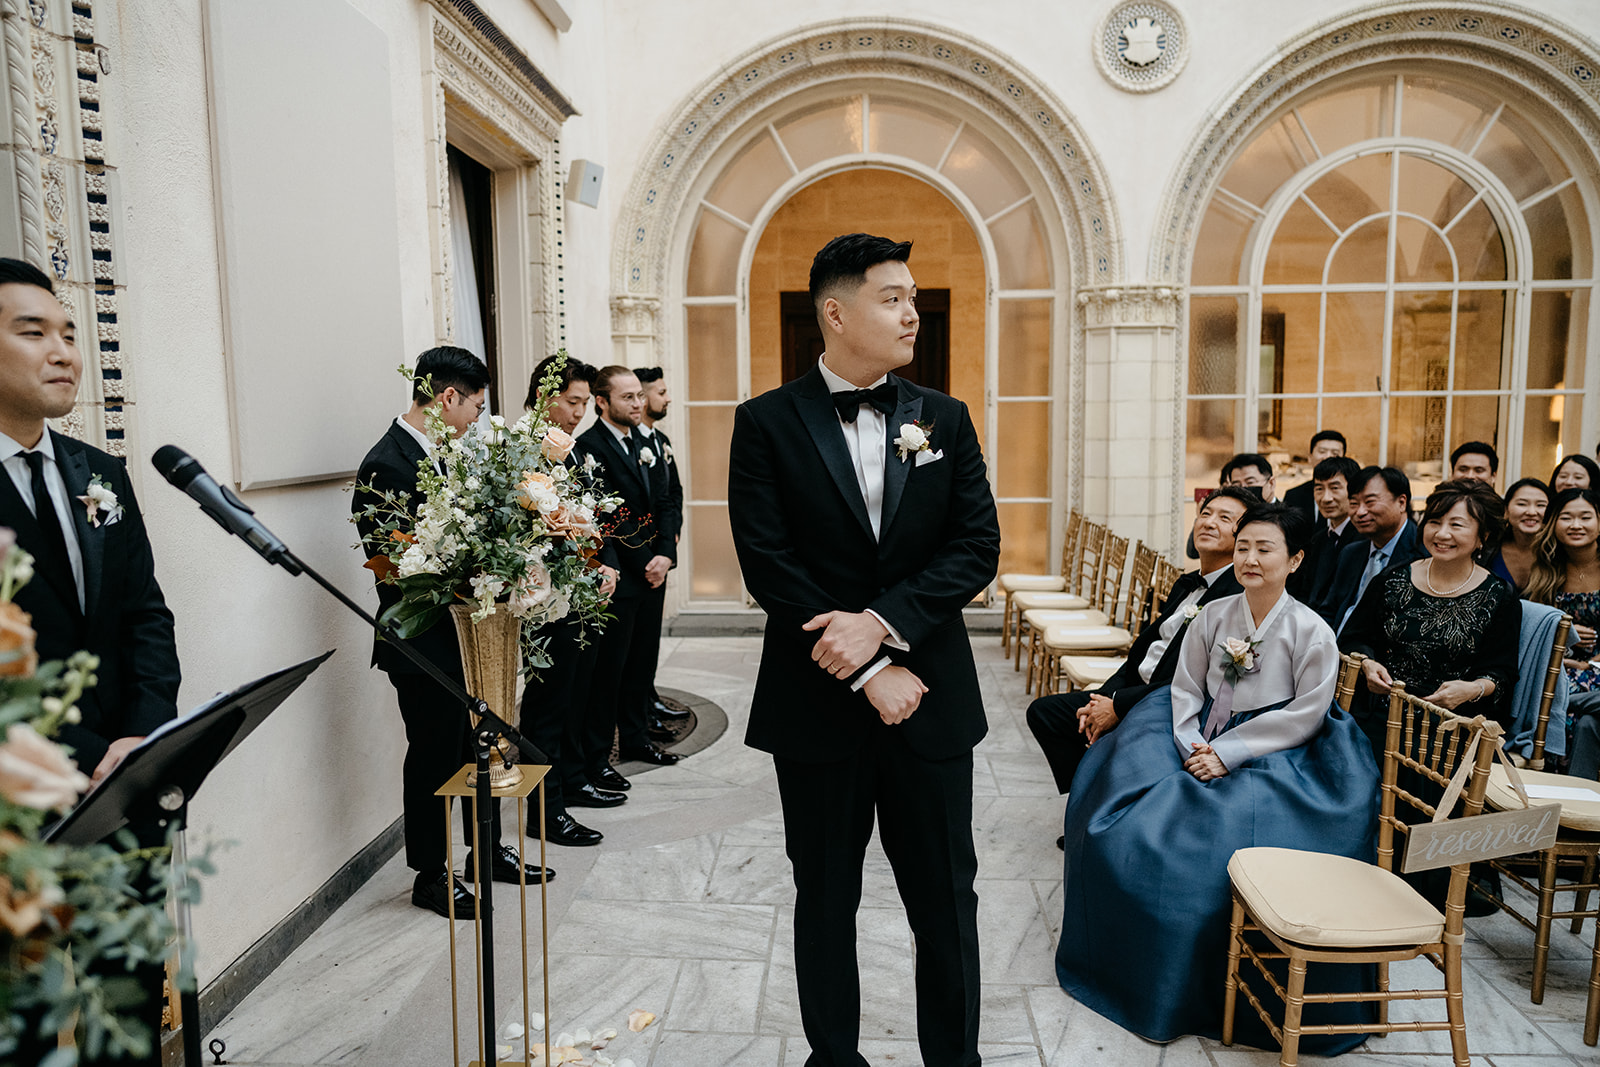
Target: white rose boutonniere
1192,612
647,457
1239,658
914,437
100,500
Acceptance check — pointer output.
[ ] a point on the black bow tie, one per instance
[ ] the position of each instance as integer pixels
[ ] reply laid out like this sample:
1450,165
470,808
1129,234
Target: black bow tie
884,397
1186,584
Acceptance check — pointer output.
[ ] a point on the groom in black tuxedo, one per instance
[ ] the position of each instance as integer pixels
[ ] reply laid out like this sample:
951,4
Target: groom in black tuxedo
864,523
1066,724
94,585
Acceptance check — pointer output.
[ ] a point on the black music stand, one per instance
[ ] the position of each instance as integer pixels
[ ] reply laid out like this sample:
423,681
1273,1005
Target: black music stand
159,778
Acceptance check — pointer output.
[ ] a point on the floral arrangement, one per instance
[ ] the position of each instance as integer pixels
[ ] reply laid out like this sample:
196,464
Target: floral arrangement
509,521
65,907
1239,658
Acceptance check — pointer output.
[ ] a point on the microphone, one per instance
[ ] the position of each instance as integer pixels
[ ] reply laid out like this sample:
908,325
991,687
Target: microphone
230,513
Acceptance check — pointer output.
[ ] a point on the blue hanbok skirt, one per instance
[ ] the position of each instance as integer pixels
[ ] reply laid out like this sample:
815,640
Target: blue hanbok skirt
1144,929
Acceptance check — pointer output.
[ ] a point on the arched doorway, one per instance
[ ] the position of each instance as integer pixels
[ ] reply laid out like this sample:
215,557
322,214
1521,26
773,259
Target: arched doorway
1008,163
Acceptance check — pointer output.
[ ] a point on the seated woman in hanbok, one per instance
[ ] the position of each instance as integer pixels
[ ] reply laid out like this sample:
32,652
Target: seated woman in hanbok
1246,748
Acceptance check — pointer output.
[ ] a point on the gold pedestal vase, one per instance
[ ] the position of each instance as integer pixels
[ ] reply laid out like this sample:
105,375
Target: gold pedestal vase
491,659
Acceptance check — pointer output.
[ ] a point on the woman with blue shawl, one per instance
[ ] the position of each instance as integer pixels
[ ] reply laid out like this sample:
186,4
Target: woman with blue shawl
1246,748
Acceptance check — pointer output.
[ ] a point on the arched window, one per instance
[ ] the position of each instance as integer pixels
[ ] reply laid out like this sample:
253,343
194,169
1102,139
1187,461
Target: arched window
1404,258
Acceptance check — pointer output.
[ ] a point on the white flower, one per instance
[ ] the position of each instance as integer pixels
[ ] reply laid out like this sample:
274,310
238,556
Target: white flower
417,560
486,587
1192,612
36,773
99,498
913,438
647,457
1237,648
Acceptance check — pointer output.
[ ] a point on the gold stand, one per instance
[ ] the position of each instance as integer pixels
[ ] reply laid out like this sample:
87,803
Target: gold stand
458,786
491,661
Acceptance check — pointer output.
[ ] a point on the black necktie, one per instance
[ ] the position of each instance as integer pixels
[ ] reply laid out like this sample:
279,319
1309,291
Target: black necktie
883,397
54,560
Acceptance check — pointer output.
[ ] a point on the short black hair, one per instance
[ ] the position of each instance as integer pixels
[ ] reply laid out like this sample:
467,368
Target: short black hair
1526,483
447,367
1248,495
1297,530
1329,435
1483,504
1394,480
21,272
575,370
844,262
1334,467
1583,461
1481,448
1247,459
646,375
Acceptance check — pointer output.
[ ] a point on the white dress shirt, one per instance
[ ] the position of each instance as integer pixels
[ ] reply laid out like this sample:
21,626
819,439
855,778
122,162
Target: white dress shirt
1174,623
11,457
868,441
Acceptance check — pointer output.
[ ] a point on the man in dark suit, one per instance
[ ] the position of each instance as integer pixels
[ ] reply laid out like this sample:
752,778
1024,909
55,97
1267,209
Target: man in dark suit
668,491
1330,484
1381,512
555,701
1325,444
644,553
1066,724
438,733
94,586
864,523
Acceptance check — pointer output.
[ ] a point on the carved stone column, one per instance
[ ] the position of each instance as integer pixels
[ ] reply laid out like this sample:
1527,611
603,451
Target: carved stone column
636,330
1130,410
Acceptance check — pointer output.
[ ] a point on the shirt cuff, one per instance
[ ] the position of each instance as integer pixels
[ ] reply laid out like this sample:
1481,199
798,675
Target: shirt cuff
894,640
866,676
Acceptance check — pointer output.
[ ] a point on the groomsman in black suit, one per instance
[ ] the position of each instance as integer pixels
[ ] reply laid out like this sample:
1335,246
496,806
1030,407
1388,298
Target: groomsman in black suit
1380,510
1330,485
1325,444
94,586
556,700
863,520
644,552
1066,724
668,488
438,734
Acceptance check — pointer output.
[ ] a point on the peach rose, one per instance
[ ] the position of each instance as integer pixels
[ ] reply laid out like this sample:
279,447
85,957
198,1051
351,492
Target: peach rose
35,772
17,655
557,445
538,492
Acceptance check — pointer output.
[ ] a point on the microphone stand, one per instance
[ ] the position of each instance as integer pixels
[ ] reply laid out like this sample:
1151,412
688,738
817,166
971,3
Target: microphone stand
489,727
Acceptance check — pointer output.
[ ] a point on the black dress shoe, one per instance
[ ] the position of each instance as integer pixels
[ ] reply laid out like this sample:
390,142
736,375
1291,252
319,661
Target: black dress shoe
563,829
659,731
506,868
610,779
651,754
662,711
433,892
592,796
1061,842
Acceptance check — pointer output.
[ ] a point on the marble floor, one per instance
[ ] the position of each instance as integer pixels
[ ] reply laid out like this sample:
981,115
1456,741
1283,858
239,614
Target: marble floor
684,911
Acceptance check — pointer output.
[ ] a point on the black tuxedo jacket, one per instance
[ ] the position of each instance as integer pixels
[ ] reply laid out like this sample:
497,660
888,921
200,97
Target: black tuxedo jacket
805,544
633,533
1126,688
667,487
125,622
391,467
1309,583
1352,560
1302,498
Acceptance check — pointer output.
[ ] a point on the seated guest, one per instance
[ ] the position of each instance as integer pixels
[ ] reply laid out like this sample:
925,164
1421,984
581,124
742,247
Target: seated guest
1244,749
1252,471
1443,625
1575,472
1331,492
1380,510
1325,444
1566,575
1512,558
1066,724
1476,460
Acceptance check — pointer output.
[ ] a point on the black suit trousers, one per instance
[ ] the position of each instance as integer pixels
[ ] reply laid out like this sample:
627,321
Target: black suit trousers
605,691
1054,722
637,697
924,813
438,744
554,705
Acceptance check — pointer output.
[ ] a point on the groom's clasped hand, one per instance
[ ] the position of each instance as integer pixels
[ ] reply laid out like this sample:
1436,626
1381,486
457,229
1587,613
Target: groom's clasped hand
852,639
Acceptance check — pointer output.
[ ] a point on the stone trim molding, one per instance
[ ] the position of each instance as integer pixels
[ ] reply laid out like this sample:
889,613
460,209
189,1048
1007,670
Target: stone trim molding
635,316
536,97
854,49
1142,306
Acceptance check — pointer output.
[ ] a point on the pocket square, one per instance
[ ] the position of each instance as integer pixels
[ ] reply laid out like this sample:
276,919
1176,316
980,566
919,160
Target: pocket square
112,518
929,457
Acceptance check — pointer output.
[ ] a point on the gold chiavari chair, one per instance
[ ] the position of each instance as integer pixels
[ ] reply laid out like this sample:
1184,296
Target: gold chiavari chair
1013,583
1086,672
1314,908
1056,641
1082,581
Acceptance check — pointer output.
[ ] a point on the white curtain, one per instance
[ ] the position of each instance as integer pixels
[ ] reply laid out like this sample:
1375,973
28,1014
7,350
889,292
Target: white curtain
463,271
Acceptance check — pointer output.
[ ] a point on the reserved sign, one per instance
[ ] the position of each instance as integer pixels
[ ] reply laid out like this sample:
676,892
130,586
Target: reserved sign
1481,837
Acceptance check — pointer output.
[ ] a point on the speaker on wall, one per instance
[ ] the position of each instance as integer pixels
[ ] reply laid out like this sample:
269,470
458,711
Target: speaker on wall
583,182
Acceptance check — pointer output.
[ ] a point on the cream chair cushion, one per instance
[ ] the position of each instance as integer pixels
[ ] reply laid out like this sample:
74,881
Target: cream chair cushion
1088,671
1325,901
1039,618
1057,638
1575,814
1062,601
1049,583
